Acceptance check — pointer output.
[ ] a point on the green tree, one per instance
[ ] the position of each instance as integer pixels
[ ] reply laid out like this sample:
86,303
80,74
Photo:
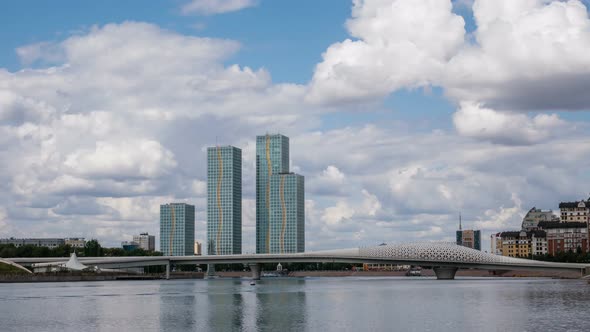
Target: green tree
93,249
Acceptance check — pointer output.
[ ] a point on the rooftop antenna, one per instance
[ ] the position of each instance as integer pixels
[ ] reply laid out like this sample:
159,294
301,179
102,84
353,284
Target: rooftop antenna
460,221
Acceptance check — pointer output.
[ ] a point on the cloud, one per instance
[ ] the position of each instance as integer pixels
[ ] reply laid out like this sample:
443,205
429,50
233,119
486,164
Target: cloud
139,158
338,213
4,226
528,55
502,218
475,121
330,182
47,51
371,204
524,56
398,43
211,7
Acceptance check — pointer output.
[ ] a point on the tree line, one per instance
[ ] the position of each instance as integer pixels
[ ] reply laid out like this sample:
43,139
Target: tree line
569,256
91,249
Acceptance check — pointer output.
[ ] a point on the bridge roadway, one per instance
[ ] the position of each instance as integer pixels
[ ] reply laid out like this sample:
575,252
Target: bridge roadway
444,258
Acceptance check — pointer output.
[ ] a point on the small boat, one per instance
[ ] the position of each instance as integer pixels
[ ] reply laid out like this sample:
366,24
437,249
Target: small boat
252,283
414,272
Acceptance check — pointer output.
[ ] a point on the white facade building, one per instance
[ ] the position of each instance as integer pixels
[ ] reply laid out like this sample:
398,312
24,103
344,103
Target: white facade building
146,242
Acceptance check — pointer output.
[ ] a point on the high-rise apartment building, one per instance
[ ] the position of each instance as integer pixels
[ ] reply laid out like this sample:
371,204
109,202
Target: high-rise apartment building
177,229
145,241
287,213
224,200
272,157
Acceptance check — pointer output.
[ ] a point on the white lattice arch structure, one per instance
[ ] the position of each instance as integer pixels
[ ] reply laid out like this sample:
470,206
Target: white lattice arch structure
444,258
442,252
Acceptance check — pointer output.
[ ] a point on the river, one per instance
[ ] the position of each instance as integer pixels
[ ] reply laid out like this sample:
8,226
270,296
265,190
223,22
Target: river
299,304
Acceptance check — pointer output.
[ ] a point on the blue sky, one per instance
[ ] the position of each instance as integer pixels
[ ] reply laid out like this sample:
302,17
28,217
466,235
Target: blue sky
398,121
273,34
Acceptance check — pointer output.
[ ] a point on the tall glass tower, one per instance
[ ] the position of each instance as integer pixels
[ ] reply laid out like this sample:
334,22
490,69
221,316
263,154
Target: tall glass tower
177,229
272,157
287,213
224,200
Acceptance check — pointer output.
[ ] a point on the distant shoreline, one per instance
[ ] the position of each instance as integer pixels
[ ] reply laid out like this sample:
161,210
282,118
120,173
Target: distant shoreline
425,273
35,278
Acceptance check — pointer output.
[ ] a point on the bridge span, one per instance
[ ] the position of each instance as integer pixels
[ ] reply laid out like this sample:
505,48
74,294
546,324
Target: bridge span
444,258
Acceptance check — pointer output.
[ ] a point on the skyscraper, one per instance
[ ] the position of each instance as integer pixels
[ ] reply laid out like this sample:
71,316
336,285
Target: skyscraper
177,229
224,200
287,213
272,157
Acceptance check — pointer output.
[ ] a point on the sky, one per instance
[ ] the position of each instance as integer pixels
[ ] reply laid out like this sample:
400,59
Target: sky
401,113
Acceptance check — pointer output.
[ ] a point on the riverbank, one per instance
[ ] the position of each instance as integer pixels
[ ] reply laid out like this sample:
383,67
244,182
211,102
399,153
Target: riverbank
425,273
73,277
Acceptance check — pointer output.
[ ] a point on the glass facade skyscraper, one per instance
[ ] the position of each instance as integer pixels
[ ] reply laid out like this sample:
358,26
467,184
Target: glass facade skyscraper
287,213
224,200
177,229
272,157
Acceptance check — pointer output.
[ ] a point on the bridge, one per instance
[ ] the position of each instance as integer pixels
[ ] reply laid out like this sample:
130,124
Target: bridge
444,258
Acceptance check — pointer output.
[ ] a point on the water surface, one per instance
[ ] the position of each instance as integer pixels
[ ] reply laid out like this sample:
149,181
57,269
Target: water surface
299,304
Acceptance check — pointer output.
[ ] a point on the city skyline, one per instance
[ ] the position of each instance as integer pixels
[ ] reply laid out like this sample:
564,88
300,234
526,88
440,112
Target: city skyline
400,118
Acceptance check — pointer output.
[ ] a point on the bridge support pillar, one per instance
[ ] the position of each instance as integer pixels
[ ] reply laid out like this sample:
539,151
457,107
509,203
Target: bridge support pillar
445,273
168,271
210,271
256,269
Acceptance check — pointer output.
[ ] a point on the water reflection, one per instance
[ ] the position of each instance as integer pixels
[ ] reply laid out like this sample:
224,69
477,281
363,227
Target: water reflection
284,310
177,306
315,304
224,305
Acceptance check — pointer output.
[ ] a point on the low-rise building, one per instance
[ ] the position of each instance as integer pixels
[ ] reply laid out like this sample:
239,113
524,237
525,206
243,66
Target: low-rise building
575,211
565,236
384,267
41,242
75,242
146,242
198,247
516,244
538,242
129,245
496,244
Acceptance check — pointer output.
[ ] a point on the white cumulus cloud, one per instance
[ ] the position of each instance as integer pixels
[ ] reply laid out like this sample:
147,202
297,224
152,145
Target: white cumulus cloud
479,122
398,43
143,158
